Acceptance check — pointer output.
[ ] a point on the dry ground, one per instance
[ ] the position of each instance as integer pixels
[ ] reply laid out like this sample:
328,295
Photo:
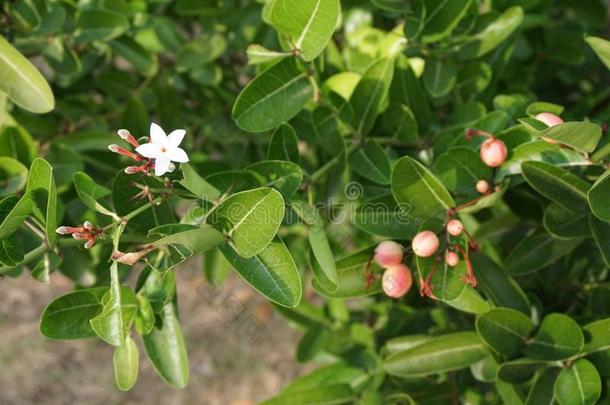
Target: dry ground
232,361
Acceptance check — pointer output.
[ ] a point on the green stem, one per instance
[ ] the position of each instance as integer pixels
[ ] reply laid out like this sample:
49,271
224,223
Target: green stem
321,172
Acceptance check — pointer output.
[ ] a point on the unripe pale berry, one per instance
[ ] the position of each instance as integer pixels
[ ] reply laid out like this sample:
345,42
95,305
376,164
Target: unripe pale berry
425,244
388,253
452,259
482,186
396,281
455,227
493,152
549,119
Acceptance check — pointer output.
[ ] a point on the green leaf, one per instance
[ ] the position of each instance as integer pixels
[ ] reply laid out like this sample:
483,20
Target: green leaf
578,385
258,54
62,58
439,77
542,390
90,193
597,345
371,162
273,97
400,123
384,217
197,240
13,176
504,330
469,300
100,25
13,211
17,143
309,25
323,395
200,51
67,316
250,219
445,353
370,93
119,309
601,47
321,258
166,349
598,197
11,249
565,224
406,89
22,82
460,168
65,162
523,259
418,191
352,272
41,186
284,144
601,235
557,184
502,289
194,183
126,361
520,370
582,136
441,17
558,338
333,374
141,59
496,32
284,176
145,318
271,272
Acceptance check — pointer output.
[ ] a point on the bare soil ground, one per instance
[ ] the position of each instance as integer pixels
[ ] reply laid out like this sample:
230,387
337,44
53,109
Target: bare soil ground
239,351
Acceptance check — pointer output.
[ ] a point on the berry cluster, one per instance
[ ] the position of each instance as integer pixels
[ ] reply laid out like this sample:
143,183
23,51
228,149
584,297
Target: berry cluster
397,279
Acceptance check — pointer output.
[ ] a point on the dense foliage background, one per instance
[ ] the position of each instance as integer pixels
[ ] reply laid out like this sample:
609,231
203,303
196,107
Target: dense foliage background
316,129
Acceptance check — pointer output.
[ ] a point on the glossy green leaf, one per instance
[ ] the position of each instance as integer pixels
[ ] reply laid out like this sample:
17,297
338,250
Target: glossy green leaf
17,143
523,259
370,93
200,51
406,89
601,235
417,190
276,95
284,176
493,34
558,338
259,54
100,24
90,193
520,370
371,162
13,211
565,224
439,77
542,391
308,25
333,374
141,59
63,59
41,186
557,184
384,217
197,240
324,268
445,353
271,272
327,394
579,384
250,219
126,362
582,136
13,176
601,47
194,183
504,330
399,122
441,18
598,197
460,168
166,349
22,82
597,345
66,162
145,317
67,316
284,144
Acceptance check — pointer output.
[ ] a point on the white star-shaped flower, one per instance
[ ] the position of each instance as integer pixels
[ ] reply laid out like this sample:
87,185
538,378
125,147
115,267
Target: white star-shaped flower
164,148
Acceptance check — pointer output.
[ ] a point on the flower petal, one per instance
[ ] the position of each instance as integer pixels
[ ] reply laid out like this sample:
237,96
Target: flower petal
150,150
162,166
157,134
177,155
175,137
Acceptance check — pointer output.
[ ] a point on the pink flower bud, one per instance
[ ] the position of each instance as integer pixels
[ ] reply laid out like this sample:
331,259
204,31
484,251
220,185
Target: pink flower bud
549,119
88,225
79,236
452,259
493,152
126,136
425,244
482,186
388,253
89,243
455,227
396,281
63,230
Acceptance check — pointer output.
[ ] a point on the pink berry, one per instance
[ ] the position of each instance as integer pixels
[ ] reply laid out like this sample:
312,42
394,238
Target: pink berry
549,119
388,254
493,152
452,259
482,186
455,227
396,281
425,244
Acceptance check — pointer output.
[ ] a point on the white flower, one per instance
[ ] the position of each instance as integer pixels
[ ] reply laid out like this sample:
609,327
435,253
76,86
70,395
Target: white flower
164,148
